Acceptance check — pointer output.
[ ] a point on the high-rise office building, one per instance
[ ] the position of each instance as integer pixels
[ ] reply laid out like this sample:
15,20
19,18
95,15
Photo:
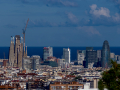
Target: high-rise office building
89,48
91,57
98,53
99,58
67,55
105,62
80,56
35,62
84,51
47,52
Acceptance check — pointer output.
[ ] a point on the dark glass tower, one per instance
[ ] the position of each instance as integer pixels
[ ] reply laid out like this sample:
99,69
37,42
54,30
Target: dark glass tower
105,62
91,57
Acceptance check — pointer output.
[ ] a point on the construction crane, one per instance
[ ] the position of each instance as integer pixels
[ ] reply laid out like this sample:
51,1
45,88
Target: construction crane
24,30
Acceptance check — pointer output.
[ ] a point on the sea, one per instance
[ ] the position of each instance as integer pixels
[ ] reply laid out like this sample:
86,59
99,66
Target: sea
57,51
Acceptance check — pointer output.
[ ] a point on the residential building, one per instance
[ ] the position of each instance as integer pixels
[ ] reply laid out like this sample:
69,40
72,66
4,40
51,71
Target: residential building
61,63
66,86
32,62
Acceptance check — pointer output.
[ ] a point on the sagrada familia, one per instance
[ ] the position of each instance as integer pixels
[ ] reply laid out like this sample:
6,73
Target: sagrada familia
16,52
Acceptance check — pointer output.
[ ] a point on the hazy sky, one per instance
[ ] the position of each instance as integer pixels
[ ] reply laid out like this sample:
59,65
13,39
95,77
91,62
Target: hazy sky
61,22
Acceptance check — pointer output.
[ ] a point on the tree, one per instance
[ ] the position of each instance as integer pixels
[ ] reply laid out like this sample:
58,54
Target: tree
77,78
110,78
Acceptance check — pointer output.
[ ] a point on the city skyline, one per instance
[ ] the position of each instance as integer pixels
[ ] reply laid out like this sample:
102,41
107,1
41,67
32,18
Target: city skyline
61,22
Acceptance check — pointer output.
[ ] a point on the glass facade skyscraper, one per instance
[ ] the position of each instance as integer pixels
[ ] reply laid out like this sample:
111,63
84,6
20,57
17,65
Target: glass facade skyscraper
105,62
91,57
67,55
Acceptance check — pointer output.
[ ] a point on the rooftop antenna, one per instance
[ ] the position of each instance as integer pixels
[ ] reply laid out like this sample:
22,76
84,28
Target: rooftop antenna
24,30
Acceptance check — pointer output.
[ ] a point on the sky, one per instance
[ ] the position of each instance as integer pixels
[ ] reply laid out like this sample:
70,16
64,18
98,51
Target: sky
61,22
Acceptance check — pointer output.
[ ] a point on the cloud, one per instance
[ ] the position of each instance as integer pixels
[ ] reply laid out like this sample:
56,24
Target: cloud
97,12
98,16
72,17
101,16
67,3
116,18
73,21
89,30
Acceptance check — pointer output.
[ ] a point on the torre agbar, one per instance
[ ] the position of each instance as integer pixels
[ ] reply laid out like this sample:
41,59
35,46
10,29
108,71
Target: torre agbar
105,62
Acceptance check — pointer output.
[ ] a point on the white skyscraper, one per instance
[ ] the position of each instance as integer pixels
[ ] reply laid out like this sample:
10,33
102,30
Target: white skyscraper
67,55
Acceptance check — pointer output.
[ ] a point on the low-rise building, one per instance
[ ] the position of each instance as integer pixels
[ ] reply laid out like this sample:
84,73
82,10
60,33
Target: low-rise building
66,86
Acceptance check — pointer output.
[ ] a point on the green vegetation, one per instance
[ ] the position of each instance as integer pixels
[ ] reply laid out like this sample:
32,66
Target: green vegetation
111,78
77,78
50,63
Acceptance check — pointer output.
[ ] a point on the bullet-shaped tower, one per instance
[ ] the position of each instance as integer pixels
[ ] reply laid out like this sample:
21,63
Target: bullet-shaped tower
105,62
